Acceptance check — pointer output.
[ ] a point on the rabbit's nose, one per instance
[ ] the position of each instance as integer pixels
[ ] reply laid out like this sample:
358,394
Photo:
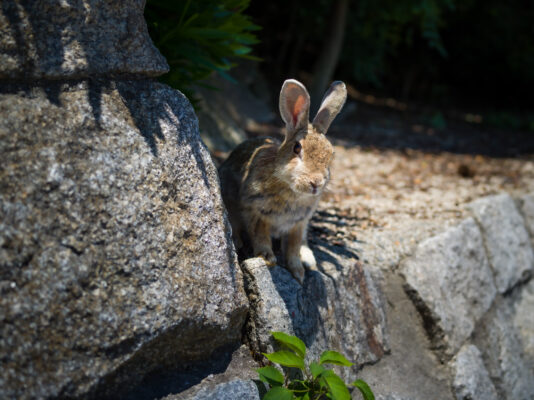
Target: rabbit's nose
315,184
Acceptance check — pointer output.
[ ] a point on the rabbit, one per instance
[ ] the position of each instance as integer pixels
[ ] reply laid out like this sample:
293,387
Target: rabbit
271,189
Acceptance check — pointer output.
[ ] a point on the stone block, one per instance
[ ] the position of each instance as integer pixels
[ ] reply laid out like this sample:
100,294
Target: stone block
526,205
506,239
524,322
503,353
449,279
471,379
339,307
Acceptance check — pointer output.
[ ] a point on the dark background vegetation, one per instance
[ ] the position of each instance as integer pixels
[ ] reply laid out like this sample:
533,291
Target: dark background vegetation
471,55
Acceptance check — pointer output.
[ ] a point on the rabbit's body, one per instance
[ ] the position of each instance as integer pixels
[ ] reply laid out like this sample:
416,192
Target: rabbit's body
260,194
272,188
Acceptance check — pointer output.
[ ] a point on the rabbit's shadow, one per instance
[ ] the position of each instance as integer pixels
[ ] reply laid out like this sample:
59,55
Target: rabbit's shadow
309,304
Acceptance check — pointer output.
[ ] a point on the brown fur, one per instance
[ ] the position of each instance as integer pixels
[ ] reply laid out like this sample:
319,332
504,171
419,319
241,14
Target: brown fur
269,190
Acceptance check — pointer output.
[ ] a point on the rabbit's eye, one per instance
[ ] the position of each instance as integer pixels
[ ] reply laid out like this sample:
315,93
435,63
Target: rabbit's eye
297,148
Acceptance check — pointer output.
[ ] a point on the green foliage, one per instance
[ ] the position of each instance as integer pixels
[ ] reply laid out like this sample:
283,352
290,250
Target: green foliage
466,54
364,388
278,393
502,120
376,32
292,342
491,49
286,359
436,120
333,357
271,376
200,37
318,383
384,30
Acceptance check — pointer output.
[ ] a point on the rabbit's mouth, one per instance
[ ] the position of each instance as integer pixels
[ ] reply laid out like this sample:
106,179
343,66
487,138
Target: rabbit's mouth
316,185
311,190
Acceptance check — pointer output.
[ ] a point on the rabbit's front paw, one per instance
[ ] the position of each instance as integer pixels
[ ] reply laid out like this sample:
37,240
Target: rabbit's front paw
267,254
295,267
307,257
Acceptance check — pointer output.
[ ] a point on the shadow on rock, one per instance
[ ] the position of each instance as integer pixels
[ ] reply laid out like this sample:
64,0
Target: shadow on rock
161,383
151,112
339,307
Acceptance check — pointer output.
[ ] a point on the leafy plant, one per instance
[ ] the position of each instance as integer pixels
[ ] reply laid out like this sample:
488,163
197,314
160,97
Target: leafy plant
319,382
200,37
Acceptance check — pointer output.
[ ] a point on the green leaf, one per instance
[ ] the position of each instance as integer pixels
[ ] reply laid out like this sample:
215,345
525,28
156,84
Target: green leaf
364,388
278,393
337,388
286,358
199,37
292,342
271,376
333,357
316,370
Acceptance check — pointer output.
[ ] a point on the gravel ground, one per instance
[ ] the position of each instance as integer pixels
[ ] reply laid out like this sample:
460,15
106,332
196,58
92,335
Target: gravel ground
395,198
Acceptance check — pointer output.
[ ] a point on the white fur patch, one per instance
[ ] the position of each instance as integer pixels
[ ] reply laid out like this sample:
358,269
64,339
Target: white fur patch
307,258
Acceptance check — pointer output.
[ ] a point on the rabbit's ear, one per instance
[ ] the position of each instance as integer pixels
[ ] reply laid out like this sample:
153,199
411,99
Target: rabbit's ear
332,103
294,105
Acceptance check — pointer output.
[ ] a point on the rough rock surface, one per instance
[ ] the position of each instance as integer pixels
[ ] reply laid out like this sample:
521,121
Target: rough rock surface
471,379
506,238
116,255
503,355
232,390
339,307
527,208
203,376
450,280
411,371
391,397
524,322
60,39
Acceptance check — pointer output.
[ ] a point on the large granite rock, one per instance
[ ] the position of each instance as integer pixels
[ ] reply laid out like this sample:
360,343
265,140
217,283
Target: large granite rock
115,253
64,39
339,307
450,281
506,239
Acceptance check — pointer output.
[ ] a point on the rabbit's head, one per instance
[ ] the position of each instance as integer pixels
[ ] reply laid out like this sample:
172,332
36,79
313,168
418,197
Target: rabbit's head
304,157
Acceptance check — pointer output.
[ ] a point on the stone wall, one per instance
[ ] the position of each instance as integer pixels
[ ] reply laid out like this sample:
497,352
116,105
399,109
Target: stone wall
472,285
452,320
